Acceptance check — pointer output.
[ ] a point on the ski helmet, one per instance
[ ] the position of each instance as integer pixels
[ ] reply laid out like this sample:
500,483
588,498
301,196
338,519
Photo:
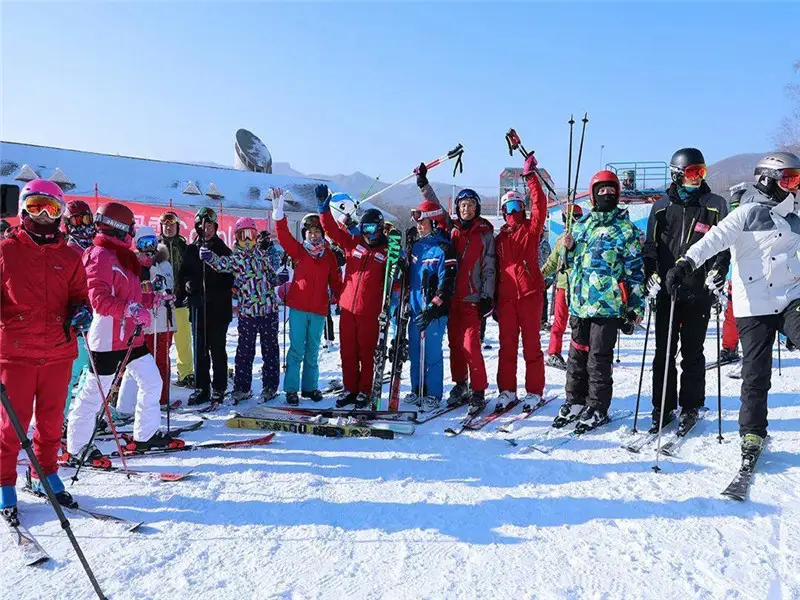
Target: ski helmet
577,212
310,220
79,222
244,223
778,168
48,192
205,215
685,157
169,217
429,209
601,179
115,219
512,202
469,194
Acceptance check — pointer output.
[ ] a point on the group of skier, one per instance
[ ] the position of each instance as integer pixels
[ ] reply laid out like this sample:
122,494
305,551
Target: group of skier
104,299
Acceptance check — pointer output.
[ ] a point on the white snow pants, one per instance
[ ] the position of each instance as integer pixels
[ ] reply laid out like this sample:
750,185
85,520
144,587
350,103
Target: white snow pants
89,402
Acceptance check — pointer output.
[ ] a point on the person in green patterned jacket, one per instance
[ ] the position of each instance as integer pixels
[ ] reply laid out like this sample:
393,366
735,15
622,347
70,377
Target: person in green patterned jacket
606,286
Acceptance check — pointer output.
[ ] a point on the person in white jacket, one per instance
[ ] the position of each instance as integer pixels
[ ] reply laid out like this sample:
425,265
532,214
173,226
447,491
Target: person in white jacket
763,234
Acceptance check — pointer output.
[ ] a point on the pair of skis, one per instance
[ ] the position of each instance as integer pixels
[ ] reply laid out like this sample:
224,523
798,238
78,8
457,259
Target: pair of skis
477,422
360,415
553,437
246,443
307,426
672,437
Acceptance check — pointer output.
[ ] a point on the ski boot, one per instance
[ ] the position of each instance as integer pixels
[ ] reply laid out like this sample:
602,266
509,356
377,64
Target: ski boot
362,401
477,402
458,394
292,399
239,396
198,397
346,399
412,398
218,396
504,399
591,418
668,418
8,505
687,420
268,394
530,401
63,497
556,361
430,403
158,440
568,412
313,395
94,458
727,356
187,382
752,445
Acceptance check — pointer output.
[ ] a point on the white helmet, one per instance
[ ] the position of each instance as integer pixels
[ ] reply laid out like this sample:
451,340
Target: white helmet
775,162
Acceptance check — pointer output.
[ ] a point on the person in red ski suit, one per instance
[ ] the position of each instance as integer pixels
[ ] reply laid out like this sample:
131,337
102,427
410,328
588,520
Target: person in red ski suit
519,289
43,296
361,300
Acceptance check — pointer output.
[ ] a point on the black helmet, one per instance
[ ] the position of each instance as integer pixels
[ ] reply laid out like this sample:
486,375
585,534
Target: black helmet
204,215
469,194
371,226
372,215
682,159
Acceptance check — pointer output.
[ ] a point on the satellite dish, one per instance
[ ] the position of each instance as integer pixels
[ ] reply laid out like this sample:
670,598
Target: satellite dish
251,153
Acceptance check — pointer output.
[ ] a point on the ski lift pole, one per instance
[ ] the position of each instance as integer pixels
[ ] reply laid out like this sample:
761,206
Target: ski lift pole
456,153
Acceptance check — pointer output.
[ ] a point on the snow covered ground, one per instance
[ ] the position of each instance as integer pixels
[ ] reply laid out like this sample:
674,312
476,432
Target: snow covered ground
429,516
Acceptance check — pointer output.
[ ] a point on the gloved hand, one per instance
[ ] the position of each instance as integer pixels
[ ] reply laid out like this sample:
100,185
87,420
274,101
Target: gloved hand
432,312
264,241
422,175
530,166
630,322
140,315
278,200
485,306
715,282
206,254
653,286
677,275
323,198
81,318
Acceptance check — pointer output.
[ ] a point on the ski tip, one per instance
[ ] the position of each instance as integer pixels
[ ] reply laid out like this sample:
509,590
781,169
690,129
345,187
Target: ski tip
170,477
135,527
37,561
512,441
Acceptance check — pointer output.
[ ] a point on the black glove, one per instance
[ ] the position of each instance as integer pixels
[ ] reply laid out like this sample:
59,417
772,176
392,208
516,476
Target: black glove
677,275
264,241
422,172
423,319
628,326
485,306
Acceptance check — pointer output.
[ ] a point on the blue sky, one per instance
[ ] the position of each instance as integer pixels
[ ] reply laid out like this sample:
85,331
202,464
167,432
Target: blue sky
336,88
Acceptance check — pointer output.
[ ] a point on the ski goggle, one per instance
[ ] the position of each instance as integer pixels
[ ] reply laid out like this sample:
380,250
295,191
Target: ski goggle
169,219
467,194
790,179
36,204
78,220
369,228
206,214
246,234
514,206
693,172
147,243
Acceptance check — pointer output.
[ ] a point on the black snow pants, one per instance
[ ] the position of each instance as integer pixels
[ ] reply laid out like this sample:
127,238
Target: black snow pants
589,364
210,349
757,336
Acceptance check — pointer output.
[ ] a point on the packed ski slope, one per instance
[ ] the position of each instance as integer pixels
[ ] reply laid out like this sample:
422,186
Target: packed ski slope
429,516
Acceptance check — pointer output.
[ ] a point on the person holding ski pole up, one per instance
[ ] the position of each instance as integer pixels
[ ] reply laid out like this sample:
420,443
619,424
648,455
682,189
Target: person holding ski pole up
763,235
35,358
604,255
315,272
678,220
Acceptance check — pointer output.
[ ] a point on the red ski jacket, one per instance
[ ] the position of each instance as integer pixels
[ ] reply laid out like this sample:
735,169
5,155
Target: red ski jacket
364,272
312,276
474,248
38,287
517,247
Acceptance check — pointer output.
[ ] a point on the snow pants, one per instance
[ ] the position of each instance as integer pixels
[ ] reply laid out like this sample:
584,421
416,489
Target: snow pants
589,364
266,329
128,390
689,326
358,337
432,361
560,318
758,339
39,389
305,335
89,401
183,342
210,351
79,367
515,317
730,335
464,337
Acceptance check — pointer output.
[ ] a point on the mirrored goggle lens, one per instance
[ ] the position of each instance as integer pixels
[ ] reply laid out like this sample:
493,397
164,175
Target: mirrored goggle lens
246,234
467,193
147,243
78,220
790,179
695,172
369,228
169,219
514,206
609,190
207,214
37,204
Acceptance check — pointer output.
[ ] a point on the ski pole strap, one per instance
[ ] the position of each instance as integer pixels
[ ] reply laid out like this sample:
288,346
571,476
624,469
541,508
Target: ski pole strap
623,289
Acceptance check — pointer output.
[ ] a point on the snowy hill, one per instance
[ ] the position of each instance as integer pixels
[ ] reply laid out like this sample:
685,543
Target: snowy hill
429,516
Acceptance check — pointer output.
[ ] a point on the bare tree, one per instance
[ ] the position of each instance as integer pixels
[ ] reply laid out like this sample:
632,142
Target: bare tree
788,135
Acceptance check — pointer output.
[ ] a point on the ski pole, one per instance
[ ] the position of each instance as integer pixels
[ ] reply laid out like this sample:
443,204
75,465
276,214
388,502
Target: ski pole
569,170
619,343
514,143
656,468
585,120
719,374
778,340
65,525
455,153
641,371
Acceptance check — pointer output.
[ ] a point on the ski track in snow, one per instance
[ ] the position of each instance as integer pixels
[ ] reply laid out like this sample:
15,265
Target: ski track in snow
428,516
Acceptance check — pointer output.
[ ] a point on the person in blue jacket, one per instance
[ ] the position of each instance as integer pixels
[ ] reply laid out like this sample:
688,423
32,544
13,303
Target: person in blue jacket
432,275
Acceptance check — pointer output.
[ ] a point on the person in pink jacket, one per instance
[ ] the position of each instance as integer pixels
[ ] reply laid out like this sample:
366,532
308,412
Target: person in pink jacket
120,307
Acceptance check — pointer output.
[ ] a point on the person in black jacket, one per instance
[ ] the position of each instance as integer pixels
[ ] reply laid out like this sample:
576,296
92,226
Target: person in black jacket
677,220
211,309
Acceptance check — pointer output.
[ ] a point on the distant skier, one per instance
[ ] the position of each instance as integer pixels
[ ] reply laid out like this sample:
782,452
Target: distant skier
315,275
677,220
764,237
604,253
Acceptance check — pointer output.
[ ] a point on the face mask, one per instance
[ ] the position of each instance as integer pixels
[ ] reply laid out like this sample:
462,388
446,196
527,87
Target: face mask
314,249
38,227
606,203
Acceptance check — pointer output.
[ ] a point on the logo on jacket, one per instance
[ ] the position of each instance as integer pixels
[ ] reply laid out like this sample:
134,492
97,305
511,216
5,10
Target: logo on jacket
701,227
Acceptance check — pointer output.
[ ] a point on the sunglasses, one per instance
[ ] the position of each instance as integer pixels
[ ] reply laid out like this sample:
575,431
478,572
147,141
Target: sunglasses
695,172
36,204
369,228
147,243
514,206
78,220
246,234
790,179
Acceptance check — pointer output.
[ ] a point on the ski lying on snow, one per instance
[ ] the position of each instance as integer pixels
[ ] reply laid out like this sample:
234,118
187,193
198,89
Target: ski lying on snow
263,413
469,419
508,426
359,414
740,485
161,476
430,416
646,438
713,364
260,441
309,427
676,439
29,549
92,514
562,438
175,431
174,405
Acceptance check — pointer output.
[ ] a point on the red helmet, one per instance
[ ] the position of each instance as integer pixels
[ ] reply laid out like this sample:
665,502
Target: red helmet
577,212
429,210
603,177
76,207
116,219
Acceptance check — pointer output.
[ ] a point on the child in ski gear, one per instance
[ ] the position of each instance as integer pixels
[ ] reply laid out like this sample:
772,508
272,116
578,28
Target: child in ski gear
680,218
544,253
763,235
315,272
156,276
604,253
730,335
210,297
554,265
432,274
255,281
122,313
36,351
361,300
520,288
176,248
